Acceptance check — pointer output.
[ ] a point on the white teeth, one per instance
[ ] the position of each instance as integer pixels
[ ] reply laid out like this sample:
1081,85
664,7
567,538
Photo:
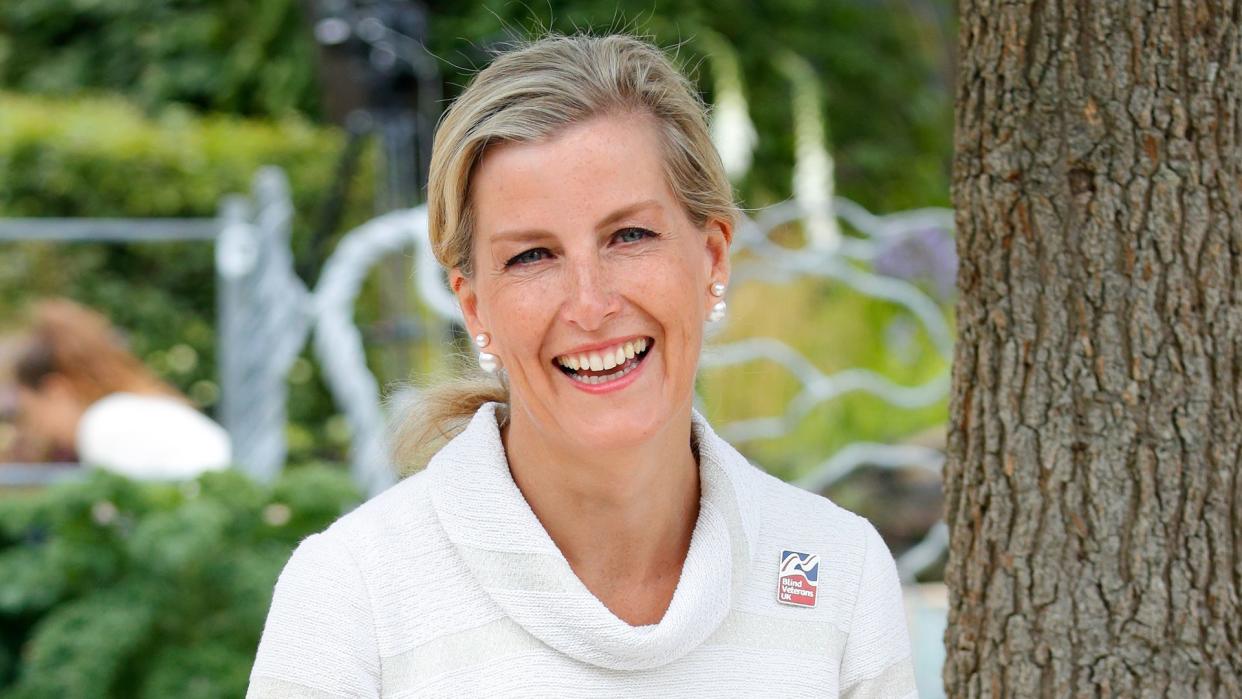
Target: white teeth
603,360
596,380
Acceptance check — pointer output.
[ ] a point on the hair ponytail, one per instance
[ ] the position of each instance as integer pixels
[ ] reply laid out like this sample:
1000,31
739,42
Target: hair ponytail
424,420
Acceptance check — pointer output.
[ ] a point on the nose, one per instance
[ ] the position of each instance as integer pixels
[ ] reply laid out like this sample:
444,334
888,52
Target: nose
592,298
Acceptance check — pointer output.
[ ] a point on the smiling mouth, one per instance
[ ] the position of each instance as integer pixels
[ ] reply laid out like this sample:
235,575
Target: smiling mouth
606,365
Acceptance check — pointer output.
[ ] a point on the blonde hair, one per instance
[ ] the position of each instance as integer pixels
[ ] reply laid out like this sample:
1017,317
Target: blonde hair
529,94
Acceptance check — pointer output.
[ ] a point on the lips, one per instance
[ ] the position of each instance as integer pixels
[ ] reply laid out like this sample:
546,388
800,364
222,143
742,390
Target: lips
603,359
606,364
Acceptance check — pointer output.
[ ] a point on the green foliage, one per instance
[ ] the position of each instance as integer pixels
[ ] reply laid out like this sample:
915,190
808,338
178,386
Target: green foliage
113,588
884,73
883,92
102,157
837,329
885,70
236,56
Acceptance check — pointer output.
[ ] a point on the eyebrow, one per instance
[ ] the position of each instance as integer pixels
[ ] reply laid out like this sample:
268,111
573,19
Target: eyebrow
539,233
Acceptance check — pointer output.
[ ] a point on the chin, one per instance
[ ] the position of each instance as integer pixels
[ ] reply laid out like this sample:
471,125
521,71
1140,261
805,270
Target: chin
629,416
625,420
617,429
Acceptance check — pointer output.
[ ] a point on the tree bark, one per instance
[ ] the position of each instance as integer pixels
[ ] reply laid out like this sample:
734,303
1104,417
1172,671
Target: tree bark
1093,490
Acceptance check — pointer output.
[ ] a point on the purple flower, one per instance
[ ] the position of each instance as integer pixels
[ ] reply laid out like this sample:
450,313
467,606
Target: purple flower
926,255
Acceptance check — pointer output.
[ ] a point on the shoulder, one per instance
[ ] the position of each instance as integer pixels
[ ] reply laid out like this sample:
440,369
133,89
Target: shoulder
847,547
320,634
346,599
781,518
773,506
391,555
785,499
393,536
398,532
363,551
394,515
789,508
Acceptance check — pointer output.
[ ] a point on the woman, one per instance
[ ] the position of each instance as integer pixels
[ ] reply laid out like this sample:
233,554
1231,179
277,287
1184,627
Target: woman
586,532
86,398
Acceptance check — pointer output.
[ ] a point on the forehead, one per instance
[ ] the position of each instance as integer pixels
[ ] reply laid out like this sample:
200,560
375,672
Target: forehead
576,177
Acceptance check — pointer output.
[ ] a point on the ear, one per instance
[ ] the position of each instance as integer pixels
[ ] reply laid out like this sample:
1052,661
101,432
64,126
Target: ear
468,299
719,236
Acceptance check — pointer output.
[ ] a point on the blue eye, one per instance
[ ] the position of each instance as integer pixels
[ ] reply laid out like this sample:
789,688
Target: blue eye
633,234
527,257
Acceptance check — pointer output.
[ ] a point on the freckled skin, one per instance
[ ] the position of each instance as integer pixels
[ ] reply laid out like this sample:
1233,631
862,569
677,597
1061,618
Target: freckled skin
562,260
589,285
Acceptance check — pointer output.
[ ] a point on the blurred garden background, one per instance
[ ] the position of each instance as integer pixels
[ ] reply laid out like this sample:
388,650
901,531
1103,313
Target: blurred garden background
160,109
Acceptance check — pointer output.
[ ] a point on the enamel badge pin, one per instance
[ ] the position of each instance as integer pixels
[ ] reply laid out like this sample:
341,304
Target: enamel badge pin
799,579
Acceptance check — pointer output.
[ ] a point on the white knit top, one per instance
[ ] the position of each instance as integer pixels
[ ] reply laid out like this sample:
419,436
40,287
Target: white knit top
447,585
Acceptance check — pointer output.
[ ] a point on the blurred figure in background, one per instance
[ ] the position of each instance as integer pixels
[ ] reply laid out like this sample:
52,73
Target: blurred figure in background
81,395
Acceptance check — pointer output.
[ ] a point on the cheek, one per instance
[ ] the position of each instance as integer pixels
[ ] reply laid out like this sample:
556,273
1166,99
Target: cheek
685,275
670,289
517,317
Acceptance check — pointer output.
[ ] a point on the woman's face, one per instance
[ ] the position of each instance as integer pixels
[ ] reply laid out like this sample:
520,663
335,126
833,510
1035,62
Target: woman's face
583,256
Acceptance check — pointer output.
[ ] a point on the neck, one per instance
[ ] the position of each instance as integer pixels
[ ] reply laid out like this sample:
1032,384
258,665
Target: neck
622,518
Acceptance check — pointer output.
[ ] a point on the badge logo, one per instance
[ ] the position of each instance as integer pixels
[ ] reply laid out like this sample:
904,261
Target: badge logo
799,578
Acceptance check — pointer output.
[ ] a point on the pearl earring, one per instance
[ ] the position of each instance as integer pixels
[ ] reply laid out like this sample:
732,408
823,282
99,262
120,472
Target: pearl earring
718,311
487,361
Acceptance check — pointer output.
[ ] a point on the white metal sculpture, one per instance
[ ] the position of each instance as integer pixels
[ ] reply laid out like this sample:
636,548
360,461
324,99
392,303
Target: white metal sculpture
267,312
846,264
338,343
264,315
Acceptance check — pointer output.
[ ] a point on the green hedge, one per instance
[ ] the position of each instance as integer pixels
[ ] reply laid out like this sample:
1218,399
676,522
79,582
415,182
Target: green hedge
113,588
237,56
886,70
103,157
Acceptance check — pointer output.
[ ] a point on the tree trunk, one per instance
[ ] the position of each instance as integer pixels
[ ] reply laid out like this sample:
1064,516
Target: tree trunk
1093,489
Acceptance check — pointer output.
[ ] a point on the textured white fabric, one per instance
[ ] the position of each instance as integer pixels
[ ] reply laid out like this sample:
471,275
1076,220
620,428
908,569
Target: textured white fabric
447,585
150,438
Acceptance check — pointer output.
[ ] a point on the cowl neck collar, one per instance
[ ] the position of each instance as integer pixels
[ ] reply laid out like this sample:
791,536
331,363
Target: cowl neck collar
517,564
